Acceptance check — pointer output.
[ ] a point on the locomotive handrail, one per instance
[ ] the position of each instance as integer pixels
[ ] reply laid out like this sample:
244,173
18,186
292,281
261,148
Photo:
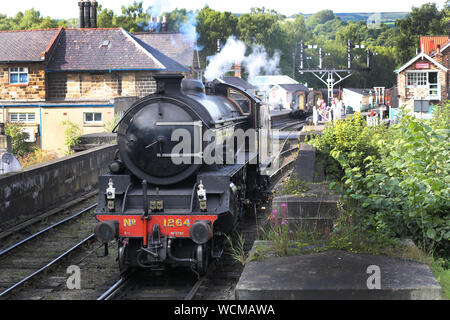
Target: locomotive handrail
230,119
160,98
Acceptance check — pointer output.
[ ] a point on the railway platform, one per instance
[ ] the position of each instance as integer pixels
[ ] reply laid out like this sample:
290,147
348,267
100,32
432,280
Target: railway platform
336,275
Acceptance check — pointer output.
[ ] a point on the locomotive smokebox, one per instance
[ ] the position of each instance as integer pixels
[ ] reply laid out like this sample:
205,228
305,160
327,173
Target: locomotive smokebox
106,231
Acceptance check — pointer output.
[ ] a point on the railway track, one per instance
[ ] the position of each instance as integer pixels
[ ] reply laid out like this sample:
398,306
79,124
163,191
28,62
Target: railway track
28,257
222,276
288,124
34,260
166,285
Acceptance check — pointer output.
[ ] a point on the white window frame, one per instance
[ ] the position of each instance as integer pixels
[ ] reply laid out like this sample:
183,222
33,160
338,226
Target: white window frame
427,84
23,117
418,72
19,71
93,121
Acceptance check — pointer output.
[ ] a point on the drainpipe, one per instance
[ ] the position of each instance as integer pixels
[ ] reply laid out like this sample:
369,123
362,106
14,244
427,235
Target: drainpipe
40,125
3,113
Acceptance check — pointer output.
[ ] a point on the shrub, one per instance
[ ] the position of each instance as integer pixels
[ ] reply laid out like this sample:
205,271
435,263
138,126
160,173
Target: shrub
37,156
396,181
72,135
18,139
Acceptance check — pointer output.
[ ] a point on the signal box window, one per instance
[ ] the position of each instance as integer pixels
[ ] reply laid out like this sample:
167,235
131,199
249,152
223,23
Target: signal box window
18,75
92,117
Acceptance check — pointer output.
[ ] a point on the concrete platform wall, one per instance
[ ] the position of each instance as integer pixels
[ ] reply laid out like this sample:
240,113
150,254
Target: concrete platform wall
39,187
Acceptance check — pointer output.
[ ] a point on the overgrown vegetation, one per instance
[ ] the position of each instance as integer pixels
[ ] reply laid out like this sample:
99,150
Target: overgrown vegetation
27,153
36,156
72,134
19,146
294,186
111,124
395,181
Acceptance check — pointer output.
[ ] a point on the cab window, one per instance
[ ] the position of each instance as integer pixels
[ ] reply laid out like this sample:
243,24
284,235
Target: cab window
240,100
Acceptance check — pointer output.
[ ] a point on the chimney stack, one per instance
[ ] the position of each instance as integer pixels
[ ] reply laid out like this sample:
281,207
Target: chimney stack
81,5
87,14
94,6
164,24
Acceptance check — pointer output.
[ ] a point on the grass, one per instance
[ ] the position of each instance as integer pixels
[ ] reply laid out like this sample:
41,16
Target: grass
442,274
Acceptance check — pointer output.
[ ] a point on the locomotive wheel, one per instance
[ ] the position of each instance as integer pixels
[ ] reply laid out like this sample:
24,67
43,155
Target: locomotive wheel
202,257
123,254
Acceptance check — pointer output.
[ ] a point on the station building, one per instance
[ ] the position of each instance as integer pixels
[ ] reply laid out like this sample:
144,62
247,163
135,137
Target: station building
50,76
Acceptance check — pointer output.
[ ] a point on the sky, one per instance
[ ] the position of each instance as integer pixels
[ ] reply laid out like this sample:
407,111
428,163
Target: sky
65,9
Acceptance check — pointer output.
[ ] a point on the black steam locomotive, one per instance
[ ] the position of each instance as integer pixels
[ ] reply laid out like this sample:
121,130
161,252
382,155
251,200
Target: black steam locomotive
164,200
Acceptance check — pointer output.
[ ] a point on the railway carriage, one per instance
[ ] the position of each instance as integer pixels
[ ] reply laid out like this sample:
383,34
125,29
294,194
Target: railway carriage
164,200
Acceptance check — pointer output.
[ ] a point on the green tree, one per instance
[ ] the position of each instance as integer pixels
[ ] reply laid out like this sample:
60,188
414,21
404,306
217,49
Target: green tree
320,17
134,18
424,20
261,27
211,26
293,32
106,18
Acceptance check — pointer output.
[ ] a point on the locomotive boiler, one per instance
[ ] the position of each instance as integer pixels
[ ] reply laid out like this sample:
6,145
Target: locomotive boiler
182,177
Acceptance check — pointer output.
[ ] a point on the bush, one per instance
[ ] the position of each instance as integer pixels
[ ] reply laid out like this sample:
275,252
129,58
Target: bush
37,156
351,139
18,139
72,135
395,181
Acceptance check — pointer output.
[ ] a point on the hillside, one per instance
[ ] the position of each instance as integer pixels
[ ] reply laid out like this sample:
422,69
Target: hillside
386,17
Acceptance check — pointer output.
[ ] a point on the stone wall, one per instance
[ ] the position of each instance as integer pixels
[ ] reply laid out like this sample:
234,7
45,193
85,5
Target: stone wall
99,86
40,187
34,90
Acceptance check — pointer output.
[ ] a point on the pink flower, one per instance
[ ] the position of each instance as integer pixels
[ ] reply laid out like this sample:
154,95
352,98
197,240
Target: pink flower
273,217
284,209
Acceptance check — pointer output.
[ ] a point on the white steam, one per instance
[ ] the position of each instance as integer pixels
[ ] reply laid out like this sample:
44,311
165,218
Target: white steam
257,63
232,52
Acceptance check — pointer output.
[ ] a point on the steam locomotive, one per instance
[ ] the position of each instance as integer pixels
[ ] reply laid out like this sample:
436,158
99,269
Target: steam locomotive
165,204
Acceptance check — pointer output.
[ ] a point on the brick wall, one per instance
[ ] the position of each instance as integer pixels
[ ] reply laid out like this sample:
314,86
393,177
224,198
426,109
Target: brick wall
34,90
407,94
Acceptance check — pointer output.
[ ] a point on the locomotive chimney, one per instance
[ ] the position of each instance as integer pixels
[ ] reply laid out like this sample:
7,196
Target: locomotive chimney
81,5
168,82
94,6
87,14
237,70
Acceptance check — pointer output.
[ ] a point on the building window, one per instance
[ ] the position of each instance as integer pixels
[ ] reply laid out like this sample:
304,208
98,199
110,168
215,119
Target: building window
18,75
92,117
416,78
22,117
